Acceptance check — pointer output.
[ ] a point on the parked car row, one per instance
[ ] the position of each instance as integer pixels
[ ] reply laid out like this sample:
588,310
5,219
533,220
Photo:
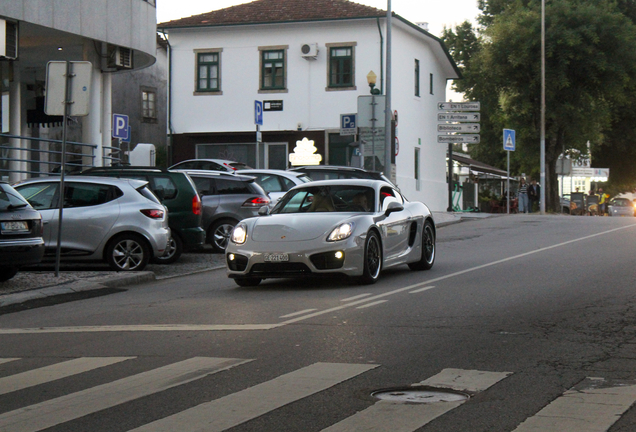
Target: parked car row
128,216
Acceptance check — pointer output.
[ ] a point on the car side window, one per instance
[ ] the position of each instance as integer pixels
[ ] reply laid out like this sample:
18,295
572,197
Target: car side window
187,165
87,194
204,185
270,183
287,184
227,187
40,195
166,184
211,166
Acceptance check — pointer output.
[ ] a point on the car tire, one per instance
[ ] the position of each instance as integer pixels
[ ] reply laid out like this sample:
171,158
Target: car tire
372,259
128,252
428,249
7,272
247,282
173,251
219,234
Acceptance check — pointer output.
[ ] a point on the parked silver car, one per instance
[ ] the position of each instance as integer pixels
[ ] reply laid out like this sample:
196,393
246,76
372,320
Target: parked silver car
276,182
226,199
119,221
209,165
621,207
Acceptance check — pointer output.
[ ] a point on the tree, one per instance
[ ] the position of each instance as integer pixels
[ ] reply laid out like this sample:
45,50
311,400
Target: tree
590,65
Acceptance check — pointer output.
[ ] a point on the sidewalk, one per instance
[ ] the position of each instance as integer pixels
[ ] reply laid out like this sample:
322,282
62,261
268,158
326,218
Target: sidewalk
39,284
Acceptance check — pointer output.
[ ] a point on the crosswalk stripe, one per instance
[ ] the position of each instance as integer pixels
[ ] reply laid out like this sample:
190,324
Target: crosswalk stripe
593,406
406,417
7,360
237,408
53,412
54,372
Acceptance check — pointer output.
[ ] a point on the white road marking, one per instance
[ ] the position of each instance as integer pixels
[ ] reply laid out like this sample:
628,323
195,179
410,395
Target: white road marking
592,409
419,290
407,417
7,360
297,313
356,297
138,328
54,372
237,408
56,411
371,304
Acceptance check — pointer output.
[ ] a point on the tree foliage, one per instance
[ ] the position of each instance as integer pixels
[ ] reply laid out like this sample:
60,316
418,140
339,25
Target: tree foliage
590,69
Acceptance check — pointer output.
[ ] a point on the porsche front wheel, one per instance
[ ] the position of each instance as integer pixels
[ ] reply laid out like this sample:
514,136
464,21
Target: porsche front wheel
372,259
428,249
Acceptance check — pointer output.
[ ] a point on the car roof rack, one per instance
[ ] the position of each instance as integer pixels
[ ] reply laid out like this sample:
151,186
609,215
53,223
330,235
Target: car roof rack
123,168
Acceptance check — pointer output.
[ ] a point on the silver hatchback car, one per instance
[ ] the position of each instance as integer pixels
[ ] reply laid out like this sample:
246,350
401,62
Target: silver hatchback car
119,221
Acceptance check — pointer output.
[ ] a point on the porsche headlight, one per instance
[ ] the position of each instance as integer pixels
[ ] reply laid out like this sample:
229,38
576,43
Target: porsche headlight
341,232
239,235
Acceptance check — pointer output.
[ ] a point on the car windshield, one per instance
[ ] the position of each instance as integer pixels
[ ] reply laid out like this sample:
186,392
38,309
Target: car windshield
10,199
622,202
336,198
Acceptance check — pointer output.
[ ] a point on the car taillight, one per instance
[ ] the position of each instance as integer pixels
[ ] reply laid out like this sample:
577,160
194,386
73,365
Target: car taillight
256,202
196,205
153,214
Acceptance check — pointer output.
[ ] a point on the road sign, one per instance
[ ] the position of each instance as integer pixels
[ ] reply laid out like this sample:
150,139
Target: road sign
509,139
366,111
258,113
461,127
80,83
456,139
120,127
458,106
367,134
348,124
458,117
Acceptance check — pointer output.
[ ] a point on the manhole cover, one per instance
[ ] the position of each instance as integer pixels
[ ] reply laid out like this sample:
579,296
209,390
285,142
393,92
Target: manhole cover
419,396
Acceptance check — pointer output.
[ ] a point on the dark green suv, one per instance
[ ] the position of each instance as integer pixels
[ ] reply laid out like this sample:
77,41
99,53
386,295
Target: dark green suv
178,193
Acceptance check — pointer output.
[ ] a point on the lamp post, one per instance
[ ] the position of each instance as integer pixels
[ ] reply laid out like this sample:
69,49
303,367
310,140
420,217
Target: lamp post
371,79
542,165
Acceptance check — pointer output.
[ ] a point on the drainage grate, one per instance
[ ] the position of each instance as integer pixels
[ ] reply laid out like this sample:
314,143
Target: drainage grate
419,396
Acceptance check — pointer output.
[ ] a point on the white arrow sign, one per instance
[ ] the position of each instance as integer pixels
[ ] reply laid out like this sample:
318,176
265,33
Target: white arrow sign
469,139
461,127
459,117
458,106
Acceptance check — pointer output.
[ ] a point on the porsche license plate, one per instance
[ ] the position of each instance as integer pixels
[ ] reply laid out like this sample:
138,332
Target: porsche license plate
14,227
276,257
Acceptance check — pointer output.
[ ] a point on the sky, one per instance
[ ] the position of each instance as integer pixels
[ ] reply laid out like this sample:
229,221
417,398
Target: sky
438,13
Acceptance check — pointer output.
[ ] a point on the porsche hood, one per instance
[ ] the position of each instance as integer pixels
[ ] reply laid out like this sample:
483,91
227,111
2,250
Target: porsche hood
295,227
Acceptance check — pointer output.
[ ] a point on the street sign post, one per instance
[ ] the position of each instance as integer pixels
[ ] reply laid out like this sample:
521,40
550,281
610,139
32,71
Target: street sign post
509,145
461,133
120,127
258,121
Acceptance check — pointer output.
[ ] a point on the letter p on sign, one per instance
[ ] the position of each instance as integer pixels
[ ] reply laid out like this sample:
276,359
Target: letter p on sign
120,126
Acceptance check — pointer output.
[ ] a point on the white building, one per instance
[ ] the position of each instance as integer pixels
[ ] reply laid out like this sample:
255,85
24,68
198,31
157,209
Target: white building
307,61
115,36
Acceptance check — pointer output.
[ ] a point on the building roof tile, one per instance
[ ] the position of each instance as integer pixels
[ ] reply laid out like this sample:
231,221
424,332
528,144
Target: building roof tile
272,11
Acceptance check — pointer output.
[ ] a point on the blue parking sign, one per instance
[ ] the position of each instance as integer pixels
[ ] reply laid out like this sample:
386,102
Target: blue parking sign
120,127
258,113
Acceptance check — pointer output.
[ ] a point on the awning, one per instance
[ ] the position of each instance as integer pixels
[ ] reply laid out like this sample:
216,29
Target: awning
479,167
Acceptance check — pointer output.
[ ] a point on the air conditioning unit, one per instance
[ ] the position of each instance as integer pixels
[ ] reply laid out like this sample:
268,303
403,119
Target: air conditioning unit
120,57
309,51
8,40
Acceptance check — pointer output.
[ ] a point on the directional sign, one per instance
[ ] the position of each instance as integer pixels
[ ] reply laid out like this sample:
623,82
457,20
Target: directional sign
348,124
458,106
258,113
459,117
456,139
120,127
460,127
509,139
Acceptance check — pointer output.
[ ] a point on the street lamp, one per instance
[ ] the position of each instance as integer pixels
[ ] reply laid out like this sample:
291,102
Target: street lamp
371,79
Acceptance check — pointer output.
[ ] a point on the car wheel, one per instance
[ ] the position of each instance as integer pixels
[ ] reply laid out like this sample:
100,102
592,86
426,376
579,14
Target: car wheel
219,234
428,249
173,251
372,259
247,282
127,252
7,272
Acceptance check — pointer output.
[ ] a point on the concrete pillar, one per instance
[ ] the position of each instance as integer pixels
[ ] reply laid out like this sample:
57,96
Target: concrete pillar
92,123
107,115
15,122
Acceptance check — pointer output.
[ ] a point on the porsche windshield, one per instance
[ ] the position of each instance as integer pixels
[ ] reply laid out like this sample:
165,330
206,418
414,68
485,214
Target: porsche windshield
337,198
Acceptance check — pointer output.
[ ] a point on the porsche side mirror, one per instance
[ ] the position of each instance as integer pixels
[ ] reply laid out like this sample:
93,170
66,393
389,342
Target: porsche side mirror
263,211
393,207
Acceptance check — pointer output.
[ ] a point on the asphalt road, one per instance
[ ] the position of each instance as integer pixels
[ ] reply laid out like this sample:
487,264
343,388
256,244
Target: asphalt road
532,317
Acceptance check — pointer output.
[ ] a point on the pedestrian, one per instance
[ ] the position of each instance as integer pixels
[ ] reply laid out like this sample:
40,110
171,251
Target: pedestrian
534,193
602,202
523,196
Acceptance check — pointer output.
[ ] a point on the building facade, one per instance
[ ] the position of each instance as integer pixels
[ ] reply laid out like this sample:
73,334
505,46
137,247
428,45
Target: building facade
307,61
114,37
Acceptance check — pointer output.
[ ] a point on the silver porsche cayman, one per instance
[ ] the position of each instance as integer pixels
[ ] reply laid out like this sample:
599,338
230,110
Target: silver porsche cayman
351,227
